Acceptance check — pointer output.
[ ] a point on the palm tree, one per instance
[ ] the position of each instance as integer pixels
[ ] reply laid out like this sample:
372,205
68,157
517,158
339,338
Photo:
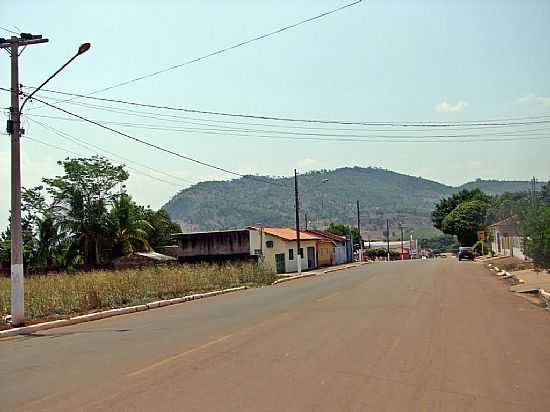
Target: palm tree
128,227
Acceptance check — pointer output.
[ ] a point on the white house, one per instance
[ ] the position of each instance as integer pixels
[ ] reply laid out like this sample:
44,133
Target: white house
277,248
506,239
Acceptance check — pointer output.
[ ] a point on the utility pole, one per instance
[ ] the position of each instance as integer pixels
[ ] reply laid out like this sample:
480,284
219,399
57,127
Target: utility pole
534,191
14,128
297,207
388,236
359,230
306,221
401,227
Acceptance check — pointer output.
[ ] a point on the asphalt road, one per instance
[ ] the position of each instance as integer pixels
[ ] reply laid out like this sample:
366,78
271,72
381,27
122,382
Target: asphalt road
417,336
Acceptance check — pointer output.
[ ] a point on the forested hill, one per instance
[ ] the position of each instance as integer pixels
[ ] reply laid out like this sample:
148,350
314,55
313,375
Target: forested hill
326,196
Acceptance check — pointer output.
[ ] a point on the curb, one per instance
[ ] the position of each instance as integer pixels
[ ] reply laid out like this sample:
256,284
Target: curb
112,312
308,275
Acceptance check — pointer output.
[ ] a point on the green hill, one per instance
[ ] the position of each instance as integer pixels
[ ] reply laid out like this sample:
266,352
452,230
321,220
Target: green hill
326,196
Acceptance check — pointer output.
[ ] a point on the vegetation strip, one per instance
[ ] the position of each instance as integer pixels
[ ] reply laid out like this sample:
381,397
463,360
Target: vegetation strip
112,312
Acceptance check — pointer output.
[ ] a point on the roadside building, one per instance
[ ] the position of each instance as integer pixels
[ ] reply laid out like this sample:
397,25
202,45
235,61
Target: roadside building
332,248
277,247
214,246
506,238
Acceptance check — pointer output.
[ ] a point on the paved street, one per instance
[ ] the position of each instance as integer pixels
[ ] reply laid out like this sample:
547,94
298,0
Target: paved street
420,336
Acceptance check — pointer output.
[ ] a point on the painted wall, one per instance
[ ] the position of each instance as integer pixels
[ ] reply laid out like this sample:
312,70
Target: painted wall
279,246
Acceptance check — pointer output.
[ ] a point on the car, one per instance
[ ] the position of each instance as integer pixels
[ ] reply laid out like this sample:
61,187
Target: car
465,253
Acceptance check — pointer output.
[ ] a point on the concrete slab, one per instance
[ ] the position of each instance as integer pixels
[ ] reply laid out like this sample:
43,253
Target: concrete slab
530,287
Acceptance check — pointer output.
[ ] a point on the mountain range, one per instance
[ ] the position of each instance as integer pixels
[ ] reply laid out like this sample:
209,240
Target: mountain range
325,196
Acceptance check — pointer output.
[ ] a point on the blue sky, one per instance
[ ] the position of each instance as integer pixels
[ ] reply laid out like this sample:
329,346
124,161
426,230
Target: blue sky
377,61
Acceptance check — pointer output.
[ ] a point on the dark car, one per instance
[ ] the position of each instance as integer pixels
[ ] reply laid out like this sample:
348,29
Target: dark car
465,253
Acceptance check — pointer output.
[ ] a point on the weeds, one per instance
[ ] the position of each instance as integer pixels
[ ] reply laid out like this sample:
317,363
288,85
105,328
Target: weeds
62,295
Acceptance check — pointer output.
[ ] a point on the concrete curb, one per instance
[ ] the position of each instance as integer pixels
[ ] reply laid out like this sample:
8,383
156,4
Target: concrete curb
112,312
311,274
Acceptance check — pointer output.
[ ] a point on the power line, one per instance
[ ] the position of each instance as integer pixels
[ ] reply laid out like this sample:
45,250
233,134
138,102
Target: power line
157,147
80,155
87,145
8,30
208,122
308,136
488,122
223,50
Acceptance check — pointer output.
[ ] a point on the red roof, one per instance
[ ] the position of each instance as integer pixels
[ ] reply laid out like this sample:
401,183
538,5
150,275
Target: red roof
286,233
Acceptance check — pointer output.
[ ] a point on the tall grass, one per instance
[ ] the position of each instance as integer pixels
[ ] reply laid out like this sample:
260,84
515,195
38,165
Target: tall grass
57,296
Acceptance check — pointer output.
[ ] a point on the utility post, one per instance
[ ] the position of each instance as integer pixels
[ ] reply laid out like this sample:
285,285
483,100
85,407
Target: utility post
14,129
306,221
359,230
388,237
402,250
297,207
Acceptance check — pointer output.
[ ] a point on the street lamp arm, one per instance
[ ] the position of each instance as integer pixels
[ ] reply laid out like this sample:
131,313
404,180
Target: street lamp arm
82,49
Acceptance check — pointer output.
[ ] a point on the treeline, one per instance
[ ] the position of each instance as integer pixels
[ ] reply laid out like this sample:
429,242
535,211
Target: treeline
469,211
85,218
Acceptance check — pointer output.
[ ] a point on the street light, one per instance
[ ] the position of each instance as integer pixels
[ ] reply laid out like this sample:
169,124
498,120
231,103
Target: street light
14,127
83,48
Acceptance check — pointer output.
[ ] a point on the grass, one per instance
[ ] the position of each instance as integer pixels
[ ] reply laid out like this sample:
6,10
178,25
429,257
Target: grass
62,295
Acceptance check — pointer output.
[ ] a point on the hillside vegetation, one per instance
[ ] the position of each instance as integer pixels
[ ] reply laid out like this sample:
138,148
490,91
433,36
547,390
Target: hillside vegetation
326,196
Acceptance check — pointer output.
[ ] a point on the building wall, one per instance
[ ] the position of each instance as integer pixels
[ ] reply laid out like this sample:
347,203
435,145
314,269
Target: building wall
326,253
279,246
235,242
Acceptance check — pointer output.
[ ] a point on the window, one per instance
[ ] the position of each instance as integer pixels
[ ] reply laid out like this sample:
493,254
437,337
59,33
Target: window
269,243
290,254
302,252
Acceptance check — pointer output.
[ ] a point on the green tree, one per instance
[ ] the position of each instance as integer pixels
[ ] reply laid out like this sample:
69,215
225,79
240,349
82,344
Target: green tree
447,205
81,198
128,227
536,228
343,230
465,220
162,227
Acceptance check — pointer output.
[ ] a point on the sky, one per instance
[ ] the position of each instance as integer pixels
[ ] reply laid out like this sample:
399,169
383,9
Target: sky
378,61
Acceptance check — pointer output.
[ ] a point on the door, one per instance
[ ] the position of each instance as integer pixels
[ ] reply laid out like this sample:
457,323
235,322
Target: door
310,257
280,262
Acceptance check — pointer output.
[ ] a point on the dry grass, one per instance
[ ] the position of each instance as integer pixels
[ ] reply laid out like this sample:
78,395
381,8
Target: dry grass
58,296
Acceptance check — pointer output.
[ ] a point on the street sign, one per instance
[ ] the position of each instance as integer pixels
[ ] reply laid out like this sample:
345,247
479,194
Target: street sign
481,235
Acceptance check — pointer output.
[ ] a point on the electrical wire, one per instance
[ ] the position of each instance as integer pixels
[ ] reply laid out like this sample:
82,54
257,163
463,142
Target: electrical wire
223,50
489,122
81,155
8,30
87,145
309,136
157,147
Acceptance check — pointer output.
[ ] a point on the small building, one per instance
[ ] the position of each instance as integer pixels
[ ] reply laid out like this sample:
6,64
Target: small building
506,239
214,246
277,248
332,248
141,259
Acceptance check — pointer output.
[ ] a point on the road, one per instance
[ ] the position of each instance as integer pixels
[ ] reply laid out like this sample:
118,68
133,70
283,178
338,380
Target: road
415,336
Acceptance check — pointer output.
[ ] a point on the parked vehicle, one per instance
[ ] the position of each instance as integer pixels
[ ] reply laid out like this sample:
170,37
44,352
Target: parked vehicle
465,253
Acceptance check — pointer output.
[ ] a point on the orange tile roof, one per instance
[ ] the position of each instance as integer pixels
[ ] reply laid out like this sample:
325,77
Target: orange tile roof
286,233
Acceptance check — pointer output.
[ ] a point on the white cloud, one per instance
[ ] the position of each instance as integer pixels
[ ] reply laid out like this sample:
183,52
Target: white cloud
532,98
446,107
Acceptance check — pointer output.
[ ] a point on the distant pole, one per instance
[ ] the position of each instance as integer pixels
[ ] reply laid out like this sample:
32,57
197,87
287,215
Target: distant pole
359,230
402,250
306,221
297,207
388,236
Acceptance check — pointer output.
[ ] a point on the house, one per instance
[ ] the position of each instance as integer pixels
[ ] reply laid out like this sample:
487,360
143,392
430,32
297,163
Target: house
278,249
214,246
332,249
506,239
